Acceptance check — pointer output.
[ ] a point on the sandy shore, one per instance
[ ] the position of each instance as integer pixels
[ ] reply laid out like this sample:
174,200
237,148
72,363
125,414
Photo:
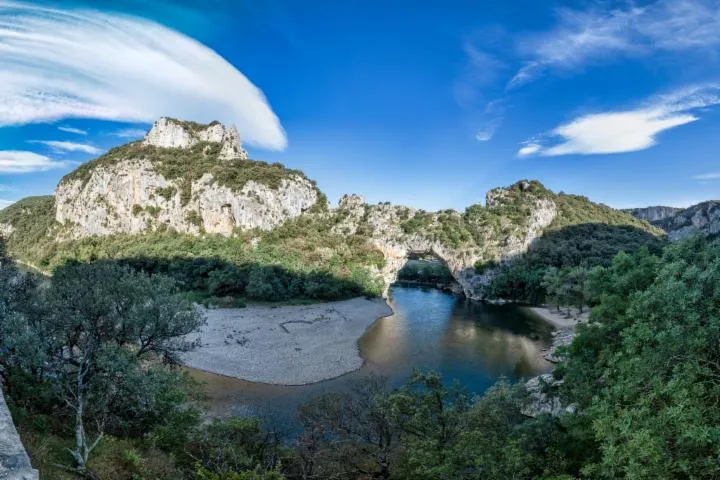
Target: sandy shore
565,323
293,345
561,319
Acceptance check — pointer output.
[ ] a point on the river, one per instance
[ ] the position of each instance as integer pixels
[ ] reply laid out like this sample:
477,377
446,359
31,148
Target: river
430,329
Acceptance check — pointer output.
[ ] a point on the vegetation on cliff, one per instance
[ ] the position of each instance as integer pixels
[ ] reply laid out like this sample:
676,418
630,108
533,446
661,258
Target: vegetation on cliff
185,166
300,260
583,235
32,221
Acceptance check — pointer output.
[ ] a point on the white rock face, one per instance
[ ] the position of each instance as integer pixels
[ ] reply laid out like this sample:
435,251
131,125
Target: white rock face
703,218
6,230
171,133
540,402
130,197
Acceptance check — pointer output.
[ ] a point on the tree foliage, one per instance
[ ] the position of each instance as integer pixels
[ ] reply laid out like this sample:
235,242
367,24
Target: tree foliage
89,334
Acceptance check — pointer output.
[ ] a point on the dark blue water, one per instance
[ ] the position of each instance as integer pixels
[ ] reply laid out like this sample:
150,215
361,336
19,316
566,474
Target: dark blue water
464,340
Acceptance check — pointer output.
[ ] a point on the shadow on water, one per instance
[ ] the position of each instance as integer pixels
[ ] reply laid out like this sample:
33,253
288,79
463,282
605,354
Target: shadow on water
464,340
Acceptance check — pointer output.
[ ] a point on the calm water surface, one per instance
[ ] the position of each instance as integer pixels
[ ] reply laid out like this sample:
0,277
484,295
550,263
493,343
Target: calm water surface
430,329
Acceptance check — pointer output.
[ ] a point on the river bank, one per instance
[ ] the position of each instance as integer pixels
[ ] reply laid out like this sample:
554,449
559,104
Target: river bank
292,345
565,323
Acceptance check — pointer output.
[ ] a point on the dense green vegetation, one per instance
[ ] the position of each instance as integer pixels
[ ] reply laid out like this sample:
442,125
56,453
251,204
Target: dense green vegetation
301,260
425,271
583,235
185,166
33,222
567,248
643,377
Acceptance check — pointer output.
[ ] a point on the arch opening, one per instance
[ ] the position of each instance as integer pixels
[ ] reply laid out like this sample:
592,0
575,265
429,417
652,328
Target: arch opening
426,269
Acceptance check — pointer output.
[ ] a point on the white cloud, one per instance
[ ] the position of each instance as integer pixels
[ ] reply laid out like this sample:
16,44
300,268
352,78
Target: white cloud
614,132
529,149
72,130
583,37
59,146
492,119
484,135
17,161
628,130
129,133
5,203
58,64
707,177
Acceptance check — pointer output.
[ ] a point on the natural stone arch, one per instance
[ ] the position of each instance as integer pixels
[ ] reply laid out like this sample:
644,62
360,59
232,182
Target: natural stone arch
460,264
384,225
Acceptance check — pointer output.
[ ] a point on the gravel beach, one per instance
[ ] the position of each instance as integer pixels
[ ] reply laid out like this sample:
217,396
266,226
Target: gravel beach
293,345
565,324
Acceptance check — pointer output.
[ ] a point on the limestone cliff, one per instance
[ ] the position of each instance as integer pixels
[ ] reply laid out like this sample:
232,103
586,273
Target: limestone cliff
653,214
703,218
172,133
185,177
470,243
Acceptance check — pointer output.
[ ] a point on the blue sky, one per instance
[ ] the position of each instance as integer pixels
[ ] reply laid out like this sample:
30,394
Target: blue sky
424,103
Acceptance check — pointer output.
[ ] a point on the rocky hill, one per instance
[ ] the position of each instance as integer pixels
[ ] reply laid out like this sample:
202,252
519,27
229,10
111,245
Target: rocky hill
703,218
475,242
188,191
183,176
653,214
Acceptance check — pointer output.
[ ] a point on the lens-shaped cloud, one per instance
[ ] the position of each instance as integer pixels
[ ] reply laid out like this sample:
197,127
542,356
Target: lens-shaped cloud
625,130
58,64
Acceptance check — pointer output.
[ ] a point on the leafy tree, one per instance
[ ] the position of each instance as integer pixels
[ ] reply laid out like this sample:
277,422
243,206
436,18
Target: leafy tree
235,449
351,434
431,417
91,333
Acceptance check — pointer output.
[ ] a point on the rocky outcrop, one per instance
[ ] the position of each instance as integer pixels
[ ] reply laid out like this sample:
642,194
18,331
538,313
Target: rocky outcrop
543,398
6,230
390,230
14,461
653,214
172,133
703,218
150,187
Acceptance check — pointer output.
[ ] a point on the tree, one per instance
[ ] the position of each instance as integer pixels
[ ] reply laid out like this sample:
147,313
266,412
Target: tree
578,287
664,377
93,333
352,434
553,283
431,417
236,448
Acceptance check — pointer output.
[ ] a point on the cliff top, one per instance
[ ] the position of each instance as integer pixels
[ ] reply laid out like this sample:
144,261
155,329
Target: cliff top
173,133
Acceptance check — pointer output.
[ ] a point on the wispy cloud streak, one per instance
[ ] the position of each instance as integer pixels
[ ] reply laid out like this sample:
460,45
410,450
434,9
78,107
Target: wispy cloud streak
582,37
20,161
76,131
129,133
78,63
62,146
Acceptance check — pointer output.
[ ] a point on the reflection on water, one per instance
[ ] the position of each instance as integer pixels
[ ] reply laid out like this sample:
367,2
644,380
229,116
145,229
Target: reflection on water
430,329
